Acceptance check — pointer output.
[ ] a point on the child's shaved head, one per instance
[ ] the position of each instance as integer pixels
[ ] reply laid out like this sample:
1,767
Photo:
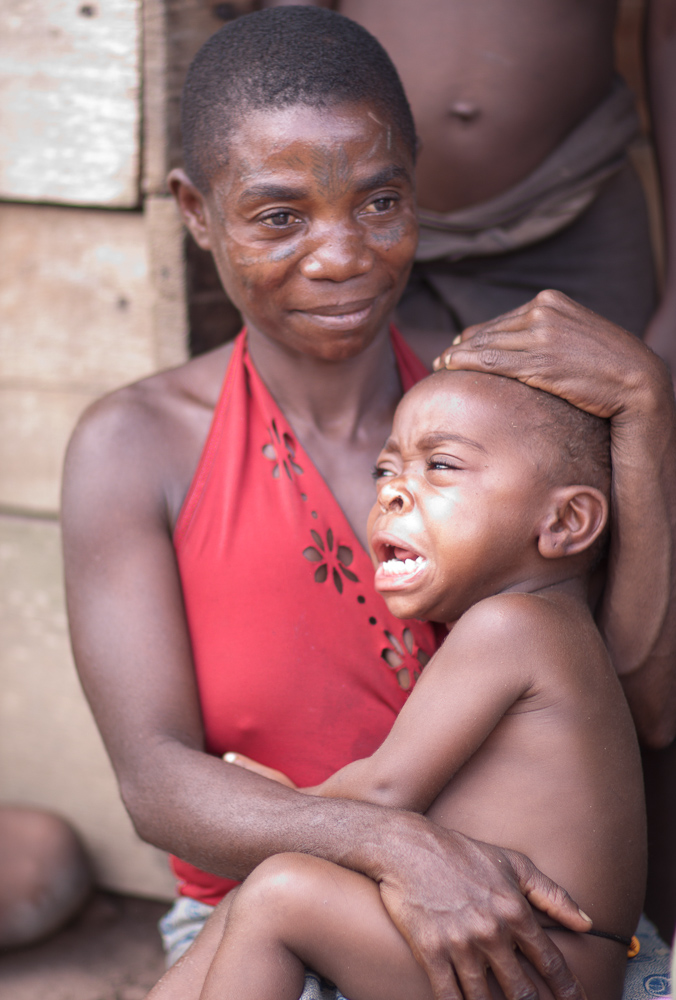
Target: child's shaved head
568,443
275,59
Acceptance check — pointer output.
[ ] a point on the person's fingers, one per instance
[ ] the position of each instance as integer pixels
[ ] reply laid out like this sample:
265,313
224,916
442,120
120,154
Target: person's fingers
574,378
546,895
490,356
471,969
493,946
519,929
536,320
241,760
467,334
512,978
546,958
443,982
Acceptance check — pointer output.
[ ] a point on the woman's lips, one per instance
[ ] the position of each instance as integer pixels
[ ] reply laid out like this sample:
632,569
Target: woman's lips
340,317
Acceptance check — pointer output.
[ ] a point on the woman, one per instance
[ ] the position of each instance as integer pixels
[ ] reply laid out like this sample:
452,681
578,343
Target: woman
214,515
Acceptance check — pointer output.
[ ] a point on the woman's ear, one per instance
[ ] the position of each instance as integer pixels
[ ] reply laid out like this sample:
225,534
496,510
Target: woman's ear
575,518
192,206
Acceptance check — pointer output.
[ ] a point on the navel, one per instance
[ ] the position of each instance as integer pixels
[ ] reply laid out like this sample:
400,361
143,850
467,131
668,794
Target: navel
466,111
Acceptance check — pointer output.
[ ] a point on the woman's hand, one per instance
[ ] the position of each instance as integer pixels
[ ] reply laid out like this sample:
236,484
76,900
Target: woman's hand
552,343
463,907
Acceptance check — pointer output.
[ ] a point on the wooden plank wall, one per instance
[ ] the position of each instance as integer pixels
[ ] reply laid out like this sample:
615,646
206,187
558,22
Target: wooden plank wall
69,90
92,296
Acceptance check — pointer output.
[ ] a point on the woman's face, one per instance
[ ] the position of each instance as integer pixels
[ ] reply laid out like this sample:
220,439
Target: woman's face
312,226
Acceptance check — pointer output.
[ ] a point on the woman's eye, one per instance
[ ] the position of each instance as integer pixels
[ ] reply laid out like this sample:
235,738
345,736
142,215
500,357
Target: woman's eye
383,204
280,219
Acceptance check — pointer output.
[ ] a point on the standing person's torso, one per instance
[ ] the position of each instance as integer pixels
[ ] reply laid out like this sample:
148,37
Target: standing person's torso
494,87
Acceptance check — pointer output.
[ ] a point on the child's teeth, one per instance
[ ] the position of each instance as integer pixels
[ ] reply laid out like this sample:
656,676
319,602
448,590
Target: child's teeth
401,566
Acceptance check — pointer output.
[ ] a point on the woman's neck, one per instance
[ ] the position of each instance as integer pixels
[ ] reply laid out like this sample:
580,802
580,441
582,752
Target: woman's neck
335,399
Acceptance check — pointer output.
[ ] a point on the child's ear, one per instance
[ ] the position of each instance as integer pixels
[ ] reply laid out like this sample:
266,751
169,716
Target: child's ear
575,517
192,206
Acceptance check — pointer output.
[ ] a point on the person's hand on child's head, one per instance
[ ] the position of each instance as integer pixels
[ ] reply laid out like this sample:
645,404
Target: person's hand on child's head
252,765
555,344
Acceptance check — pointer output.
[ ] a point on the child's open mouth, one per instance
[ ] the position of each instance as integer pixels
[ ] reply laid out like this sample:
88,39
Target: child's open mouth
398,566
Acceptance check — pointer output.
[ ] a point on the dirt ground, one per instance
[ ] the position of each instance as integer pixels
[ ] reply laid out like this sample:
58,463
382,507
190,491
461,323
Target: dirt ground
111,951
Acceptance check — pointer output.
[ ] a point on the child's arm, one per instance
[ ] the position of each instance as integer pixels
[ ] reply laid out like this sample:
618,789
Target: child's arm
482,669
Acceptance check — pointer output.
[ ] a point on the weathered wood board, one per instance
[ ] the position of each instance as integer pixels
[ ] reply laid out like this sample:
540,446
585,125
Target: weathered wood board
70,101
189,24
35,427
90,300
74,297
51,751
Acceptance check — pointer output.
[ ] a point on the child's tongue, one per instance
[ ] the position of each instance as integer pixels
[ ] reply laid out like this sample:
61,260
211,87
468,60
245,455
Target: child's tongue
404,554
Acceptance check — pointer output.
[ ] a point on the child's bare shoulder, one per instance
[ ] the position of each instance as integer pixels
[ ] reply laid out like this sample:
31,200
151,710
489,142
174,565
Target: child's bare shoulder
503,616
528,631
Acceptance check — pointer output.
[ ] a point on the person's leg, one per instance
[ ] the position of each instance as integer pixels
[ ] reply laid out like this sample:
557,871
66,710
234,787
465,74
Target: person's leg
296,910
44,875
185,978
181,925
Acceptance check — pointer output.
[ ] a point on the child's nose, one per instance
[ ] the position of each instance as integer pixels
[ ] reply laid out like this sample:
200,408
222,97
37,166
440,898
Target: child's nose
393,497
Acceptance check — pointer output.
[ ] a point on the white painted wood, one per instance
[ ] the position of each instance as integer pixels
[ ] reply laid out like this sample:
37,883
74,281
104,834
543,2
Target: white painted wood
70,101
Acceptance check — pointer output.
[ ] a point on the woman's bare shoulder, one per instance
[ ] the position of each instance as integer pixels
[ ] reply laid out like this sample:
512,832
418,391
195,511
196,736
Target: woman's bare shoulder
146,438
155,407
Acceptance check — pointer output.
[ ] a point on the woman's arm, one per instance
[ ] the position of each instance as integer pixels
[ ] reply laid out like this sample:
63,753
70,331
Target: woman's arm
557,345
661,72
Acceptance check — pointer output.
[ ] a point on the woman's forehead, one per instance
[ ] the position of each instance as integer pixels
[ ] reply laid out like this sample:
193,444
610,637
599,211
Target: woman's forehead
301,137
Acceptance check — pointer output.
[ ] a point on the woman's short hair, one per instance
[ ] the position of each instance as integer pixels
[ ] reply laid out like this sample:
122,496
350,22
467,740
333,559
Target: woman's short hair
277,58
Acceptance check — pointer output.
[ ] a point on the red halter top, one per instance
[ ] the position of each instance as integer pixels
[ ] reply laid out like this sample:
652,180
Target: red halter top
299,664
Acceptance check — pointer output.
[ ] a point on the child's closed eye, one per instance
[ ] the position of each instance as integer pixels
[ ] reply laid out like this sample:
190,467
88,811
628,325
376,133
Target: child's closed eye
443,463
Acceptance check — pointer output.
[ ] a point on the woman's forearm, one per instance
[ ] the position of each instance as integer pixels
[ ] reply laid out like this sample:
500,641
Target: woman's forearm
638,612
437,886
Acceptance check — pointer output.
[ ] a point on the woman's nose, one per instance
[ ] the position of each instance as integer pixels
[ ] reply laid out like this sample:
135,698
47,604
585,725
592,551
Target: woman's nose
339,254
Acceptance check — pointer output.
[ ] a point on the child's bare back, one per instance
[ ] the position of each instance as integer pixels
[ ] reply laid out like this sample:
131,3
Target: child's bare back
492,503
558,778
